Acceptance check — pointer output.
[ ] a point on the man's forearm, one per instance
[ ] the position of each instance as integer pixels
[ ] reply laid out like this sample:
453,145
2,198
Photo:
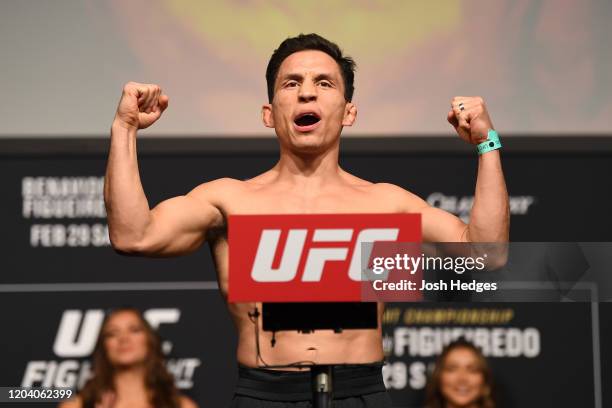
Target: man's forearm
490,216
126,203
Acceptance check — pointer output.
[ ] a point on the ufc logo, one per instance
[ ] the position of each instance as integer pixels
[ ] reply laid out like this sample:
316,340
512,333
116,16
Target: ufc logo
316,258
308,257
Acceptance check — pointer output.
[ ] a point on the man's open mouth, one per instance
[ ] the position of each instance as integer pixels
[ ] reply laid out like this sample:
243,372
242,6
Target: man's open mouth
306,120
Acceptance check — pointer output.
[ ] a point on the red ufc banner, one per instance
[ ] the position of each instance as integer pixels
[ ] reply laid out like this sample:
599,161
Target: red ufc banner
303,258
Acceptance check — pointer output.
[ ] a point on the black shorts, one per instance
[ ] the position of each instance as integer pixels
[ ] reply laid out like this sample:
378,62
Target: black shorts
359,385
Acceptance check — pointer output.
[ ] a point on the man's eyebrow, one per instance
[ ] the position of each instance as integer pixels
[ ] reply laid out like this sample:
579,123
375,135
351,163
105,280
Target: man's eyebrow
300,77
325,76
292,76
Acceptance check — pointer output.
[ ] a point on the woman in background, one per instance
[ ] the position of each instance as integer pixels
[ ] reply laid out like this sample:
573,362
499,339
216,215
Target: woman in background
461,379
128,368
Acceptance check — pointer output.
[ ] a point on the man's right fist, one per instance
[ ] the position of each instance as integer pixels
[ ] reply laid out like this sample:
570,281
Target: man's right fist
140,105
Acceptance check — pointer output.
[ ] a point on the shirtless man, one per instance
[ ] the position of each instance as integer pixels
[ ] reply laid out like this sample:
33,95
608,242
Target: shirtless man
310,87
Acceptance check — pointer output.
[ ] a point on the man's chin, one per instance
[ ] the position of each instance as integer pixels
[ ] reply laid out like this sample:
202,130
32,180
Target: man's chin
314,142
311,146
307,142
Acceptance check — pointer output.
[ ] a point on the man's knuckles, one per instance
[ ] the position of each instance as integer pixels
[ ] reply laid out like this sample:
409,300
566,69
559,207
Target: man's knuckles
137,88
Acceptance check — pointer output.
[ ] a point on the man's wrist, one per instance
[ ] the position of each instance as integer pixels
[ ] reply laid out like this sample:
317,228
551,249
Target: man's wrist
492,143
120,126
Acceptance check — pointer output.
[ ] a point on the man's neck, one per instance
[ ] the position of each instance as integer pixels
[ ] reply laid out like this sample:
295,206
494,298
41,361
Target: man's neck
309,171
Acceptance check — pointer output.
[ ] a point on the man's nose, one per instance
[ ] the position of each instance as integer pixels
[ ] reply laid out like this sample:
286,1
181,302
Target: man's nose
308,92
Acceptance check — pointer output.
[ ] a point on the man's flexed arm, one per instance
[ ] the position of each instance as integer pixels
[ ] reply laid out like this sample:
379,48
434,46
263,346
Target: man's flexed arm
490,215
176,225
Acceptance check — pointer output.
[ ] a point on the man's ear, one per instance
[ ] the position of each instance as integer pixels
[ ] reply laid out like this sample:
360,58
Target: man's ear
266,115
350,114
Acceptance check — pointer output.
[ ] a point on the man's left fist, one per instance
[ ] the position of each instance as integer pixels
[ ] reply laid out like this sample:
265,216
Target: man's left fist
470,118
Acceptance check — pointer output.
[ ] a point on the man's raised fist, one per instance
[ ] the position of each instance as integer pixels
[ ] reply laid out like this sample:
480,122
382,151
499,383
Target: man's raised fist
470,118
140,105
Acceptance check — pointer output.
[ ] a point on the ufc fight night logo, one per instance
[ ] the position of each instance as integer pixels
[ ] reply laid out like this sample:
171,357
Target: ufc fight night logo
307,257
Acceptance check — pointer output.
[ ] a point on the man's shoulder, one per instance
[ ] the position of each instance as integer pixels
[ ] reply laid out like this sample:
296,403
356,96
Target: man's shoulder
387,190
219,185
218,191
377,188
399,195
392,189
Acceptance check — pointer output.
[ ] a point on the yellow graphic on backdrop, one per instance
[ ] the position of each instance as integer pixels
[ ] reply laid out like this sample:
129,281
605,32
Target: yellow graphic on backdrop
377,27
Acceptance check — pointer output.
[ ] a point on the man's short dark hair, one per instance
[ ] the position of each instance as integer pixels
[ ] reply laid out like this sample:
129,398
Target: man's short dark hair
305,42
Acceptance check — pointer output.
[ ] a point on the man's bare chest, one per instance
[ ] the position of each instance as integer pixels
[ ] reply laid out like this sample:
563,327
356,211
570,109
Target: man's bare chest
341,202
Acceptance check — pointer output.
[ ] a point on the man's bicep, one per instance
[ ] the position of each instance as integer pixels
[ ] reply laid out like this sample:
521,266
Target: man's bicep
442,226
437,225
178,226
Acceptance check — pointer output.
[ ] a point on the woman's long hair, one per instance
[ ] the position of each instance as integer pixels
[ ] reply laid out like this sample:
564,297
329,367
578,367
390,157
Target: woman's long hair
158,381
434,397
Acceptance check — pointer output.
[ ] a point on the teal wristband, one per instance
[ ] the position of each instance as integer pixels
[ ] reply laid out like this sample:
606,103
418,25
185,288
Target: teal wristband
492,143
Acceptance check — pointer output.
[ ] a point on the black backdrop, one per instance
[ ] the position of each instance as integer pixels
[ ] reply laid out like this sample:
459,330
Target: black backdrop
59,274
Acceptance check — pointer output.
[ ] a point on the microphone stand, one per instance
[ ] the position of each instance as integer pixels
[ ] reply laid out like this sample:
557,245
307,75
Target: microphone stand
321,379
